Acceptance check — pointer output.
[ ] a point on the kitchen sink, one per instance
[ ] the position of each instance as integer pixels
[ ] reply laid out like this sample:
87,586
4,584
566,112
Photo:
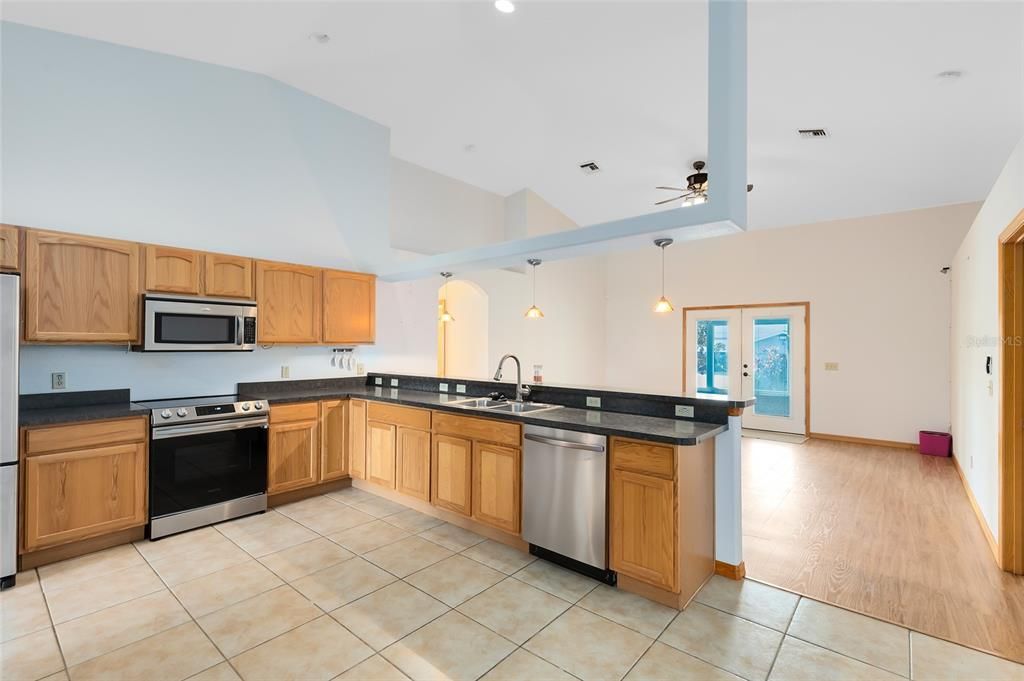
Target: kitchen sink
476,403
525,407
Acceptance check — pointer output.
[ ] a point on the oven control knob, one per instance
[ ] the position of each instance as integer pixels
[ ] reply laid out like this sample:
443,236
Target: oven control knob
258,405
182,412
245,406
165,414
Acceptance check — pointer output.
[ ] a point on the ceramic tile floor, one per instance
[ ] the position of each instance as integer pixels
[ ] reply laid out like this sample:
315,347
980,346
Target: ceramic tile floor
352,586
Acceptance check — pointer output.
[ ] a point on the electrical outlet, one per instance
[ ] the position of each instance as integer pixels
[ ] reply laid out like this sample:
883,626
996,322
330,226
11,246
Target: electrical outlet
394,382
460,388
286,371
684,410
378,381
831,366
360,369
58,380
442,387
594,402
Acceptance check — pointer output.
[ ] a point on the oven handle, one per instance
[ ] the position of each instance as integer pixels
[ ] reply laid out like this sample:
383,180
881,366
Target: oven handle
201,428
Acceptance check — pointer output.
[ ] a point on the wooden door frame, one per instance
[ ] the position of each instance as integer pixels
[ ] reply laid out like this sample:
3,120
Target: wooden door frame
807,345
1011,397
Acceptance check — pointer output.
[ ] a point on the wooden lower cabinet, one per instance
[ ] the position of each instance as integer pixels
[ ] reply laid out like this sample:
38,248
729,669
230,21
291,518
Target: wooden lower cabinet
333,439
412,462
293,448
451,480
380,453
76,491
496,485
643,530
357,439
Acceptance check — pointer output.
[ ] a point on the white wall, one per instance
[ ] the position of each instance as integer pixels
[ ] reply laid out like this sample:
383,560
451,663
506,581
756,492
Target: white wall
879,307
976,334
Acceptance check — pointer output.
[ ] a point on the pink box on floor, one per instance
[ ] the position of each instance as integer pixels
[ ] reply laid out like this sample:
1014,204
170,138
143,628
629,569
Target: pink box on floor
935,444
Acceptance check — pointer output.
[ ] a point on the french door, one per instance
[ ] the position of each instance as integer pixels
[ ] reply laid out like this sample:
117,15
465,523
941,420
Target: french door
757,352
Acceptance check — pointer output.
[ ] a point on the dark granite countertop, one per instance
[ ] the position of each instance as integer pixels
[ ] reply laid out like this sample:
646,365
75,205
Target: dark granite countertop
669,431
94,405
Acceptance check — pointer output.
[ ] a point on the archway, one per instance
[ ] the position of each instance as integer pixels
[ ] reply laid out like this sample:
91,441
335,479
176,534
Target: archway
462,343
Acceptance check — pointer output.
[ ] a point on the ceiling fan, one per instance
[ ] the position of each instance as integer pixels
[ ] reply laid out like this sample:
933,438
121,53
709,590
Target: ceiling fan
696,187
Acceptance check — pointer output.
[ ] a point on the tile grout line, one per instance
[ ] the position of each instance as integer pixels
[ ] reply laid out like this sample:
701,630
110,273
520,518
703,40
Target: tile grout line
53,627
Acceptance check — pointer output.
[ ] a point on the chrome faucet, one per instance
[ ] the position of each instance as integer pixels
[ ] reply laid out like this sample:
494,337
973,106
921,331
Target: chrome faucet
521,390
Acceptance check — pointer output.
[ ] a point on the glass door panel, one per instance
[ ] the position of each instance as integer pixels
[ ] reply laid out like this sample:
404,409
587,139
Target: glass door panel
771,367
712,352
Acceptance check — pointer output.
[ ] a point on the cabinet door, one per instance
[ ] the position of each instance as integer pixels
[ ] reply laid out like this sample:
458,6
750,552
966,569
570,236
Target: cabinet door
172,270
333,439
643,528
8,247
80,288
289,302
293,456
357,438
413,463
380,453
496,483
349,307
83,493
228,276
451,478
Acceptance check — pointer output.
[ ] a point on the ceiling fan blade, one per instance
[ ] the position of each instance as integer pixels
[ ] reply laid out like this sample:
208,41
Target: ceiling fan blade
675,189
658,203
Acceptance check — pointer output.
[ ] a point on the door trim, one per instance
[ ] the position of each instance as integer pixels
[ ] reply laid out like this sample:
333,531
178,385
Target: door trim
1011,397
807,344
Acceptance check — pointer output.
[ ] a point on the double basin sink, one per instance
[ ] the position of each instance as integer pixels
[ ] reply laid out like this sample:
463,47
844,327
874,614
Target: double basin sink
487,404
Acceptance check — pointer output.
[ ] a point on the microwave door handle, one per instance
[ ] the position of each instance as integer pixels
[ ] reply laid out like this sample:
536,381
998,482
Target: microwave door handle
239,325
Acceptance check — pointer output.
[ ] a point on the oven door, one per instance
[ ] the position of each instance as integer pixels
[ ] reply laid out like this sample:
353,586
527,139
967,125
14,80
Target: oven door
202,464
173,325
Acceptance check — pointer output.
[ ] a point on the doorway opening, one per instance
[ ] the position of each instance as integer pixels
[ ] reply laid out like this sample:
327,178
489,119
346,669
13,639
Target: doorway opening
462,342
1010,554
760,351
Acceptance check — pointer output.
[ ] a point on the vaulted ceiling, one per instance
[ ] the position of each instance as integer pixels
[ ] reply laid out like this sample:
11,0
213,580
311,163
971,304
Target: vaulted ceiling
505,102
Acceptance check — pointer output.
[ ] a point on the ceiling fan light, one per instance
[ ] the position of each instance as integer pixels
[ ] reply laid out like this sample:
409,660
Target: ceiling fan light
663,306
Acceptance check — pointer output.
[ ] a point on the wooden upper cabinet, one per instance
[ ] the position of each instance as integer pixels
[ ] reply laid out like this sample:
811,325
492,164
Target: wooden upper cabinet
228,276
289,299
357,438
333,439
496,484
380,453
412,463
9,235
451,478
80,289
350,301
173,270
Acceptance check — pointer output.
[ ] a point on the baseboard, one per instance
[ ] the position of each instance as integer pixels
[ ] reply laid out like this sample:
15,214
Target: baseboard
56,554
282,498
731,571
864,441
989,537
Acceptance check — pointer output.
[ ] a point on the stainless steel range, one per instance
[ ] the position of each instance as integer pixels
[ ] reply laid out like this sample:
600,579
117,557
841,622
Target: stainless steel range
207,461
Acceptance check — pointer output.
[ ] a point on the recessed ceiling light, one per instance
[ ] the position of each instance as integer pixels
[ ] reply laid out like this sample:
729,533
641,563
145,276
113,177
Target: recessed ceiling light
950,74
320,38
504,6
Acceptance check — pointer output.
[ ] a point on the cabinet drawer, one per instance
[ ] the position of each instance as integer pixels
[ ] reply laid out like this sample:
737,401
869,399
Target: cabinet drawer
303,411
489,430
83,435
643,457
400,416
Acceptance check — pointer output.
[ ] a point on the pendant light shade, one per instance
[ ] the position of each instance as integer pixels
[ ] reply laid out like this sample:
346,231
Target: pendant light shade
534,311
444,316
663,305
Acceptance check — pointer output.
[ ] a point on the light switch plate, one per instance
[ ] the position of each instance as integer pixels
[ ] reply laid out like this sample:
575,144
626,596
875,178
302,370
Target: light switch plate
378,381
684,410
831,366
459,388
442,387
594,402
394,382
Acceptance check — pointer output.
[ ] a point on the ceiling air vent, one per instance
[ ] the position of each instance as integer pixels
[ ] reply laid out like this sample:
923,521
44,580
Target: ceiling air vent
813,132
590,167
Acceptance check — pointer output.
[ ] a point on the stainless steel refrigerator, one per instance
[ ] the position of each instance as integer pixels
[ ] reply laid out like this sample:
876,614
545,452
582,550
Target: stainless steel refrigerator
9,316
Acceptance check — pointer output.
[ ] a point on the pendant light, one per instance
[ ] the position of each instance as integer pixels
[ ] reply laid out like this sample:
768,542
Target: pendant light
534,311
444,316
663,305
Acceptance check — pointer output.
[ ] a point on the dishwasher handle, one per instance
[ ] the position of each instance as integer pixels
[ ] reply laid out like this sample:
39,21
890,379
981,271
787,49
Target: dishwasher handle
563,443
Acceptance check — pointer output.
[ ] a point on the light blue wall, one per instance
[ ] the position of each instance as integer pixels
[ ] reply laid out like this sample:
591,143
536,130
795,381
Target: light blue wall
120,142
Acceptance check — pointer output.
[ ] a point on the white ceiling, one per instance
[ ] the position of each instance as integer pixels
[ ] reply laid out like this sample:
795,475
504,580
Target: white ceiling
624,83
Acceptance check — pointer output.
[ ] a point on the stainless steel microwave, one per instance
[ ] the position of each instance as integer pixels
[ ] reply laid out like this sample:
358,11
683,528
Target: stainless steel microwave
197,324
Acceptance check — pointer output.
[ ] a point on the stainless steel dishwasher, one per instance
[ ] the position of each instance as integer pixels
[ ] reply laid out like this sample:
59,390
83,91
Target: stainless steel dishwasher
565,480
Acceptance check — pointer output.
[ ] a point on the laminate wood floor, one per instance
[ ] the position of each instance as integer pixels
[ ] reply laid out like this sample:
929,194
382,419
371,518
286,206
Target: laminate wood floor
882,531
